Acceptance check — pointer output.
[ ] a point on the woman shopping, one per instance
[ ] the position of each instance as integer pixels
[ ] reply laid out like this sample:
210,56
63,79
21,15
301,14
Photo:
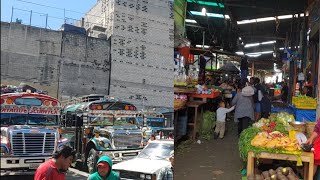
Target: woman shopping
244,112
315,140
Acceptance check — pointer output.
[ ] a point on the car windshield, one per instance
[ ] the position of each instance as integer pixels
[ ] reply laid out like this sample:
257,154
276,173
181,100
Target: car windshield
156,151
28,119
125,121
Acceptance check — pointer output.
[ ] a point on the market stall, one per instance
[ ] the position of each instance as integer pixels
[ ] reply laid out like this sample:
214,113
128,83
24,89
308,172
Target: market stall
279,137
191,98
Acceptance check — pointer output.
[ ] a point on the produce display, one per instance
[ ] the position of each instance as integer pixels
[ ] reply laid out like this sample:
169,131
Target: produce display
279,174
269,135
276,122
304,102
203,89
275,140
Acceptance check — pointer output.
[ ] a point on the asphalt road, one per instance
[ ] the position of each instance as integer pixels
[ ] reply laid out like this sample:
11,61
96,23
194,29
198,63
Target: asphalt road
73,174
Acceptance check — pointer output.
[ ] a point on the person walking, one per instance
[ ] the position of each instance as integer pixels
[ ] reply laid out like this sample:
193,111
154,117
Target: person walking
244,68
166,173
244,110
104,170
257,97
284,91
55,168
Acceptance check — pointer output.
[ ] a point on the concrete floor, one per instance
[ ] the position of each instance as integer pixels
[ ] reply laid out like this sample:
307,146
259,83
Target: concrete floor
213,159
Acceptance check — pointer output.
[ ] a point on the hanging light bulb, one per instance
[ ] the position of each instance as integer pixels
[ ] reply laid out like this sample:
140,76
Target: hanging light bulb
204,11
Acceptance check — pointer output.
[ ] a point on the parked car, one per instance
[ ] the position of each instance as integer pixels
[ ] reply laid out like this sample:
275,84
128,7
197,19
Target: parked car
148,163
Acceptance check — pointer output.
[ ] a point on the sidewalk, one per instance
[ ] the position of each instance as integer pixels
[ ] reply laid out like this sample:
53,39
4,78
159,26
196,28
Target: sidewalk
213,159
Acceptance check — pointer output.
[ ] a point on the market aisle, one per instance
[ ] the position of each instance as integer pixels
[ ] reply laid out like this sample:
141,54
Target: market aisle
214,159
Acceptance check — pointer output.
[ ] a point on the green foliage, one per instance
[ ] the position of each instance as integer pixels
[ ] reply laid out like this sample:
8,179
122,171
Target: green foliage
245,141
208,123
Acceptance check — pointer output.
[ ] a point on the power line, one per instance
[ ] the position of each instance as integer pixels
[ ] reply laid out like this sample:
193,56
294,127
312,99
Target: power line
28,2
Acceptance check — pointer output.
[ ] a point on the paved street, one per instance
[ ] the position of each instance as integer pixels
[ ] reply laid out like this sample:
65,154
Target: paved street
73,174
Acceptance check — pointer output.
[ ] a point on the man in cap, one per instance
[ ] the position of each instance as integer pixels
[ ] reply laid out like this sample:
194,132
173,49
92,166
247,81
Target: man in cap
166,173
104,172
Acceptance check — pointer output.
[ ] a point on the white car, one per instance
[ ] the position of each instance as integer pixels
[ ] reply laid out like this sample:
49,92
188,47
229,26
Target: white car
148,163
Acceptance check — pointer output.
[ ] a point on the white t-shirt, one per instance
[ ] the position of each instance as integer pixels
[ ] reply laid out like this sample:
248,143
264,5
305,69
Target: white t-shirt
221,113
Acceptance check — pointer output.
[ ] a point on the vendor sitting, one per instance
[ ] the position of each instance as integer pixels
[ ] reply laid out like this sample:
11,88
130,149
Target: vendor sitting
315,140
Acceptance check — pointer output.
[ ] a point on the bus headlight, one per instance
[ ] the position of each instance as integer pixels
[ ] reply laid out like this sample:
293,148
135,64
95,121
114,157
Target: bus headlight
3,151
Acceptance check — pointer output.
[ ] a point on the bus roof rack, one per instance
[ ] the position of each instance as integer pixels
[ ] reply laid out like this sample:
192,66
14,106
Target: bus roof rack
88,98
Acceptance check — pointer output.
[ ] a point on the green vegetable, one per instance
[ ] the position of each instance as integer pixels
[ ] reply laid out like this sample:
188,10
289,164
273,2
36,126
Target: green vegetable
245,141
209,119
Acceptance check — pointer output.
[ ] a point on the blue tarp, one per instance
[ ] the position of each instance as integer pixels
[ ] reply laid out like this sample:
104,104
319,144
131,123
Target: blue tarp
277,110
304,115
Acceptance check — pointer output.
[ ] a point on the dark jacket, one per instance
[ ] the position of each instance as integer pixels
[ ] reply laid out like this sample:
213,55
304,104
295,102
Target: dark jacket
265,105
244,64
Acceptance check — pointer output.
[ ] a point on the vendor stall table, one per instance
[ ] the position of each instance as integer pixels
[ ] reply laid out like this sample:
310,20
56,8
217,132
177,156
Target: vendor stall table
205,96
306,158
197,106
185,90
177,124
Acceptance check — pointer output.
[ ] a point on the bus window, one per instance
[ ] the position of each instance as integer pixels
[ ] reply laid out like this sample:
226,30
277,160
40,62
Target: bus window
28,101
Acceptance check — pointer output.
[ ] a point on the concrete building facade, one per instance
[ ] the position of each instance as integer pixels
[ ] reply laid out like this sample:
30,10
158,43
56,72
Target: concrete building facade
142,42
63,64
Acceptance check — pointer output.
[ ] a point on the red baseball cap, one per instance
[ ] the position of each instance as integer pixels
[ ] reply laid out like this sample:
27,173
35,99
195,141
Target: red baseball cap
103,164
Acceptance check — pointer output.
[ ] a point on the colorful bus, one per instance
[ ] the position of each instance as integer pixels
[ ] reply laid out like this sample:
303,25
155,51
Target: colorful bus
29,130
101,126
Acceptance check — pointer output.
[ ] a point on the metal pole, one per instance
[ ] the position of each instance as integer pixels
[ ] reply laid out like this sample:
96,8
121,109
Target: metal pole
318,84
46,21
30,16
64,15
216,61
203,36
11,14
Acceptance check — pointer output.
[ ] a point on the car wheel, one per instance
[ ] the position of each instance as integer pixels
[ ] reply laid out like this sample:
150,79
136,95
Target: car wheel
92,161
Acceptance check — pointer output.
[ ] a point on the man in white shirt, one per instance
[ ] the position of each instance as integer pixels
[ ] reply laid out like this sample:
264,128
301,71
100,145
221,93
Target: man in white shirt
221,120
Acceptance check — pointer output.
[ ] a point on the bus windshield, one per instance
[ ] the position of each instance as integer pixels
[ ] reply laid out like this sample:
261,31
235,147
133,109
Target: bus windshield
125,121
28,119
102,121
155,123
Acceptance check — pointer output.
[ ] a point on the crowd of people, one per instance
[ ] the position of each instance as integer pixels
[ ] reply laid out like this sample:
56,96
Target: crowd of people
250,100
57,166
